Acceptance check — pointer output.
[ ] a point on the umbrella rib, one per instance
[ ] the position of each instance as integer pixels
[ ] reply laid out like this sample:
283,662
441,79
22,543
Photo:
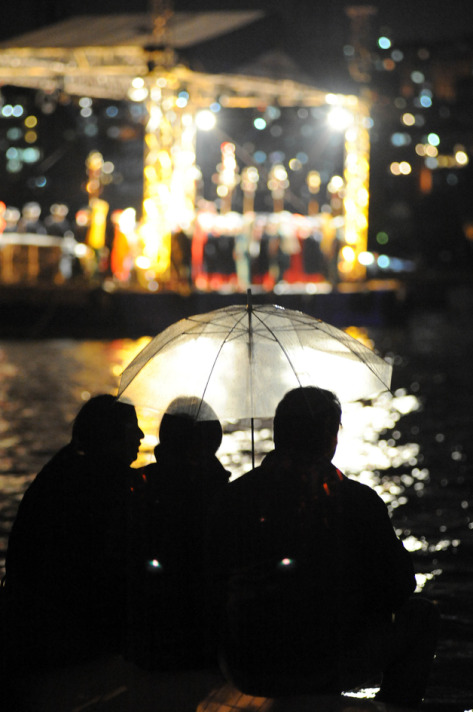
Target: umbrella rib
224,341
280,346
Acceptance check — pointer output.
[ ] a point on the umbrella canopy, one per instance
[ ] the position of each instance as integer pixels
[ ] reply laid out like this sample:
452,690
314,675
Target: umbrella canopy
241,360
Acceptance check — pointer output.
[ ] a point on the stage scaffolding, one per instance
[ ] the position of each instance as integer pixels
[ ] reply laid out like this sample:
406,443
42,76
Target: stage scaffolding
139,70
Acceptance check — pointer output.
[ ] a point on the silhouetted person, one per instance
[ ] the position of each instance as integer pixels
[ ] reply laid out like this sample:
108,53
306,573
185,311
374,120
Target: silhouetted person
307,572
74,542
181,486
30,221
57,223
12,216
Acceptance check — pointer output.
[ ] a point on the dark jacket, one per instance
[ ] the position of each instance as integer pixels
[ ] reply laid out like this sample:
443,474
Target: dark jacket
180,491
302,560
71,553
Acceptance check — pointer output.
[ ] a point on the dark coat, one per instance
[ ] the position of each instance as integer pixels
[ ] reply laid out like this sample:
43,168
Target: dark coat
302,562
180,490
71,553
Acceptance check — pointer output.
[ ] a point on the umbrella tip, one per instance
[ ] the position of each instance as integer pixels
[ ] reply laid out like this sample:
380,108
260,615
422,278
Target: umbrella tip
249,301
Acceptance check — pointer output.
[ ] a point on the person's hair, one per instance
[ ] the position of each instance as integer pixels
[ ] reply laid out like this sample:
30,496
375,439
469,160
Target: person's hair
190,423
102,419
306,420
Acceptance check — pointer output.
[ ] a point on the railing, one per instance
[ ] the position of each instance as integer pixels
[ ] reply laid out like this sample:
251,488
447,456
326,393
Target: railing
31,257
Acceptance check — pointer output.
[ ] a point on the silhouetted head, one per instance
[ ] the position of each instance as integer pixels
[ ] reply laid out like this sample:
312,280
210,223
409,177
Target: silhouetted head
107,429
190,423
307,420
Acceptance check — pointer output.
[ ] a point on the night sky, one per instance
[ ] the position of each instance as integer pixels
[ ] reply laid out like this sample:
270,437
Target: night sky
408,20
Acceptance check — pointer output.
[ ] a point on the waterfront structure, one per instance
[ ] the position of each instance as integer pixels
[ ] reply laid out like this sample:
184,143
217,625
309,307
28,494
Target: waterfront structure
136,57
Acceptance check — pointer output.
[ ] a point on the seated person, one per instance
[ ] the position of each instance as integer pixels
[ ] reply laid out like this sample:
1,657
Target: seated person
181,486
312,585
71,548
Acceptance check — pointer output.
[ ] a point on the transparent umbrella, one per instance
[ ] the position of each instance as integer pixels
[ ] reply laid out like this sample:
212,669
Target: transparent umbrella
241,360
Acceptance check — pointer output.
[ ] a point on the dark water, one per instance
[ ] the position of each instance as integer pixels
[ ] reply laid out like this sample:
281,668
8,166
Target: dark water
414,446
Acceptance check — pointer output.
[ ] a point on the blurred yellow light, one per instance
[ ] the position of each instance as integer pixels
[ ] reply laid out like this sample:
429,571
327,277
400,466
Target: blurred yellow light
336,183
31,136
137,93
348,253
461,158
405,168
150,173
408,119
143,262
313,181
351,237
395,169
295,164
362,197
30,122
345,267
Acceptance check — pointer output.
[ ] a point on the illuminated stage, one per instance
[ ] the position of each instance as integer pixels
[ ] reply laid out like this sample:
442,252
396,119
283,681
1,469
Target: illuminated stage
136,58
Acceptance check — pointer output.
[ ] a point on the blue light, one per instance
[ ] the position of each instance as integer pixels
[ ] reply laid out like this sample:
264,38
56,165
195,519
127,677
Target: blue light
31,154
384,42
400,139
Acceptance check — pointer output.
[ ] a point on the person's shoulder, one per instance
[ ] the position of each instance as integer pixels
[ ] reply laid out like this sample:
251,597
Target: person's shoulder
361,494
245,486
54,468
